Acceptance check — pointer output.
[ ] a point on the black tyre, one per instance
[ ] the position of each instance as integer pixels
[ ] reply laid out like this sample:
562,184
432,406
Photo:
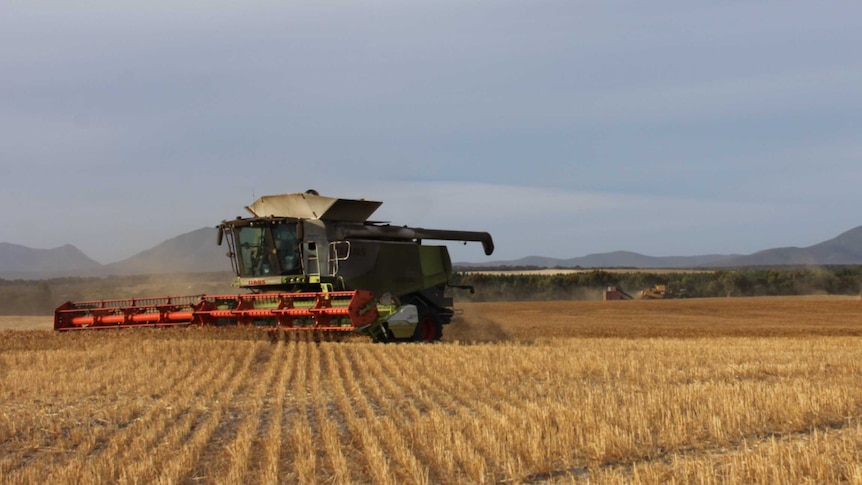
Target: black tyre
429,329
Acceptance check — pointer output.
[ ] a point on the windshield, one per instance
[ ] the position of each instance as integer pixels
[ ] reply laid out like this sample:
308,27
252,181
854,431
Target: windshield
268,250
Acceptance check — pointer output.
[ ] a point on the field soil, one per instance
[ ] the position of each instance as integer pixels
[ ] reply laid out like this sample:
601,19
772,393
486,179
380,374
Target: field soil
760,390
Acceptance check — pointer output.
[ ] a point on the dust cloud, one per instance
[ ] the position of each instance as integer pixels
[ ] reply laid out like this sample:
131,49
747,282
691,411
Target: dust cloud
471,326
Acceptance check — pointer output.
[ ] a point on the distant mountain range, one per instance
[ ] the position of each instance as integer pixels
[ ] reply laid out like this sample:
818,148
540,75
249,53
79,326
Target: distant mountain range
197,252
843,249
193,252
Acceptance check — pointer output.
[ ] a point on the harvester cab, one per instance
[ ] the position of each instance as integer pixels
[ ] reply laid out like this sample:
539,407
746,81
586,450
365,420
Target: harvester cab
311,263
289,244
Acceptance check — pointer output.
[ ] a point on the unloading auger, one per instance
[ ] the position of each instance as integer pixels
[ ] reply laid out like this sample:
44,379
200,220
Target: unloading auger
310,263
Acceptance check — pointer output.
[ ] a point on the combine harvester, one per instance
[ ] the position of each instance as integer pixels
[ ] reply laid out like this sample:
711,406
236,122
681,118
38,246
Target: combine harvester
311,263
657,292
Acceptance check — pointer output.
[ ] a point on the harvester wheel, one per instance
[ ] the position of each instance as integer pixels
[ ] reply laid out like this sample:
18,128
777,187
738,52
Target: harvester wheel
429,329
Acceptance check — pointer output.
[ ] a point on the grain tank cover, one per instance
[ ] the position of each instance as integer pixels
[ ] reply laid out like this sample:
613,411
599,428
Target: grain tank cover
309,205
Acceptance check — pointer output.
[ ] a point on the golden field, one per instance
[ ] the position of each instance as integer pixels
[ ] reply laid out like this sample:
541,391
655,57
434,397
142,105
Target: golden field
687,391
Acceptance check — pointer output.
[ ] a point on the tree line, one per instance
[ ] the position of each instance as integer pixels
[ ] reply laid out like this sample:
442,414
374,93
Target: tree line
844,280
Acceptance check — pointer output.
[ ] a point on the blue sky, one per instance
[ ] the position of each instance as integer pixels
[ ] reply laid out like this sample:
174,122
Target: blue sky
562,127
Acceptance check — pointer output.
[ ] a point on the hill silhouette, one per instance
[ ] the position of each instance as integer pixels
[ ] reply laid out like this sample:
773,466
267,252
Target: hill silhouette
193,252
197,251
846,248
18,261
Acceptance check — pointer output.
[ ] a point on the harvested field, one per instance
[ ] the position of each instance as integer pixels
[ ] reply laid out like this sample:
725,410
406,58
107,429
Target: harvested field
683,318
712,391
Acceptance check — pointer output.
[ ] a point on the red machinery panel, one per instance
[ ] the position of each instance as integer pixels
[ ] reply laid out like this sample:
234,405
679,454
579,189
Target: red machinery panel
327,311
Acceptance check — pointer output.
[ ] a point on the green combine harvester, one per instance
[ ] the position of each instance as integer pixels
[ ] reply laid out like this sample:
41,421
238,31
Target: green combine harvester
310,263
